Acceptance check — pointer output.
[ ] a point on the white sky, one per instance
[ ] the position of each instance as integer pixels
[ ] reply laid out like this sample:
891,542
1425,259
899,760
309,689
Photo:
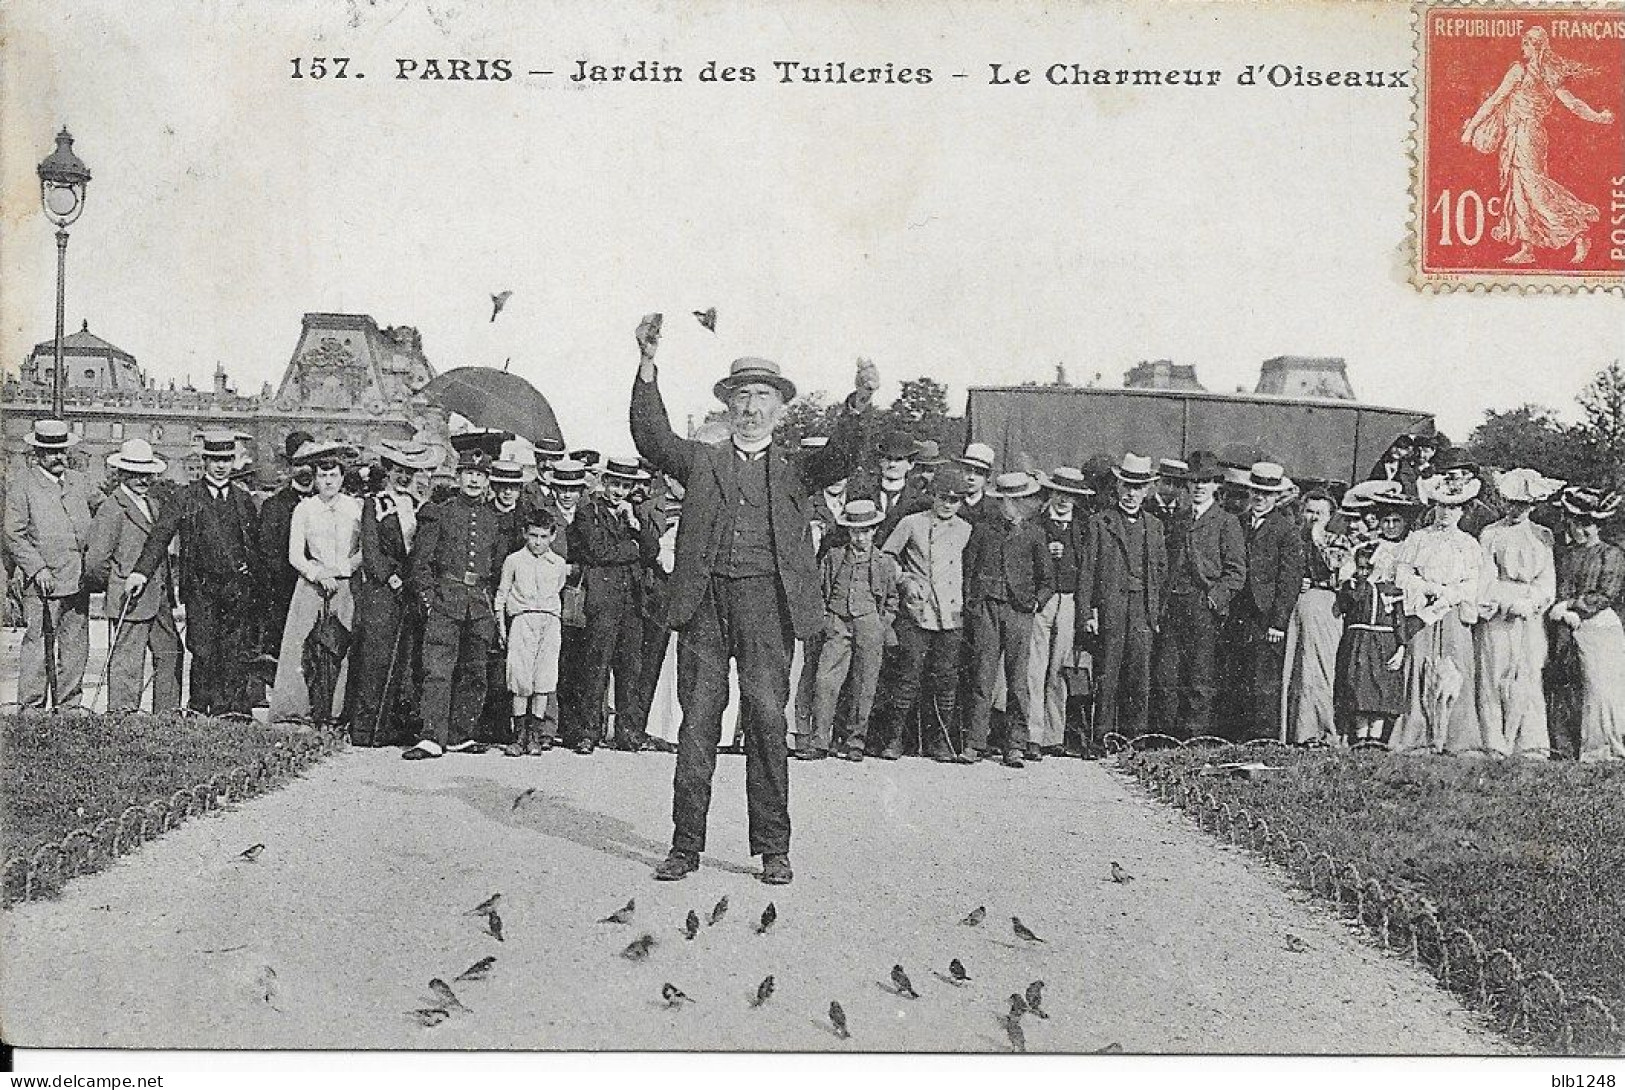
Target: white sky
977,234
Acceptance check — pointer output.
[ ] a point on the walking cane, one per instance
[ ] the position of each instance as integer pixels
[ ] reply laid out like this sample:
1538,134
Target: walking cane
114,630
389,676
48,631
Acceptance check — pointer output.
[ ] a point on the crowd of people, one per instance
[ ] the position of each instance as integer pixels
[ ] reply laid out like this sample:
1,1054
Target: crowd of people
945,606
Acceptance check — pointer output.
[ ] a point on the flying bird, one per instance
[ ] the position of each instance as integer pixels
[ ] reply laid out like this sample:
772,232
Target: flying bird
764,991
1035,998
479,970
837,1018
429,1017
1018,1005
498,301
769,914
493,924
251,854
718,912
1013,1030
1022,931
622,914
956,972
520,798
448,998
900,981
1119,875
976,917
639,948
673,995
691,926
485,907
707,318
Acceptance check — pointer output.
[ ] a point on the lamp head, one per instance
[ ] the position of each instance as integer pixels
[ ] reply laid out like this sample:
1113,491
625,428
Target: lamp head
63,178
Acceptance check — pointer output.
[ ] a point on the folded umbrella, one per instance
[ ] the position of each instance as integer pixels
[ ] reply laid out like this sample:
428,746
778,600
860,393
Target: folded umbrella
322,657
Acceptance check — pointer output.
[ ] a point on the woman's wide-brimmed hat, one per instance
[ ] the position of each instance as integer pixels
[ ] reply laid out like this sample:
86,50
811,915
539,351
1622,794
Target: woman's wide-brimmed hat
408,453
51,435
1368,495
625,469
860,514
1134,469
1527,486
1067,479
750,369
1591,504
1013,486
317,450
1434,488
136,456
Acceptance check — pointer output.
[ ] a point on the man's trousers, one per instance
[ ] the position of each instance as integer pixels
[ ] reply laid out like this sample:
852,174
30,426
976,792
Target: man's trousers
1123,671
998,629
70,617
847,646
127,658
1184,685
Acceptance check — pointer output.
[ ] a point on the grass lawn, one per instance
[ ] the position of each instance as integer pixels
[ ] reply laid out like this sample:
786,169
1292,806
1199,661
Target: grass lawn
59,773
1526,855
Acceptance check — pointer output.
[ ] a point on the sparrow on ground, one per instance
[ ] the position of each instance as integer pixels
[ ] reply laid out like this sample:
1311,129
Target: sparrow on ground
521,797
769,914
976,916
251,854
638,948
493,924
429,1017
901,982
691,926
448,998
1035,998
837,1018
718,912
485,907
764,990
1013,1030
1119,875
479,970
1295,944
956,972
1022,931
622,914
1018,1005
673,995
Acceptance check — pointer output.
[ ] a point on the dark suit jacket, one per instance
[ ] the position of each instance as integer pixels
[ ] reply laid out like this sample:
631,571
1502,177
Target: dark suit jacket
271,537
383,546
910,499
1009,563
217,546
1274,567
1217,551
610,553
1072,540
1103,571
706,471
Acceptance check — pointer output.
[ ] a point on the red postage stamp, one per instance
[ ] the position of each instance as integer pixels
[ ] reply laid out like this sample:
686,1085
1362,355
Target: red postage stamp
1520,145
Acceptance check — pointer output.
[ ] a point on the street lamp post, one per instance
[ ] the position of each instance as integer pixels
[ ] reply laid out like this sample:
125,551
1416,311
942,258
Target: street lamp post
63,178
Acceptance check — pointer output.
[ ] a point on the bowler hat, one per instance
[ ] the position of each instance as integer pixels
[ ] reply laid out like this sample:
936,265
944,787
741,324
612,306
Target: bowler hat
474,460
1453,458
1066,479
927,453
135,456
897,444
1013,486
859,514
1134,469
749,369
948,483
1204,466
51,435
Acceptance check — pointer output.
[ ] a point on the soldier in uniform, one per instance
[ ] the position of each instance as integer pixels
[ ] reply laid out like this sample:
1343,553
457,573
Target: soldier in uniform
507,487
455,565
218,525
385,624
610,544
537,495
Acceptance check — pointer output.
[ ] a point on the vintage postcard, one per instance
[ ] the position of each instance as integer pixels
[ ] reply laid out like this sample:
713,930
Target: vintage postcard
834,527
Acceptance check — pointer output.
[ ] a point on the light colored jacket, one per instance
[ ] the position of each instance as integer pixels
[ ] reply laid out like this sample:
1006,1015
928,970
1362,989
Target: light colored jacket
931,553
48,526
117,536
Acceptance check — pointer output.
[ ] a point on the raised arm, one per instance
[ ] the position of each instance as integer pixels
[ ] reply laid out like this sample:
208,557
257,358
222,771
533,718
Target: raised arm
1581,110
651,424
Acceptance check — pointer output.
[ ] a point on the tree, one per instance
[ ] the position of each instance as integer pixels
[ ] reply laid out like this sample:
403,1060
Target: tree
1532,436
1602,405
921,409
809,414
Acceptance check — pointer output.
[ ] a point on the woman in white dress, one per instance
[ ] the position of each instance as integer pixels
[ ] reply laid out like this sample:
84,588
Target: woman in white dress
324,547
1592,585
1440,570
1510,638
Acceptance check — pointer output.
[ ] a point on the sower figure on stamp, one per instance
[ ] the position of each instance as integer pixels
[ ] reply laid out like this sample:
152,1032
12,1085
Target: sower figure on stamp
744,588
47,528
385,619
455,565
143,621
218,525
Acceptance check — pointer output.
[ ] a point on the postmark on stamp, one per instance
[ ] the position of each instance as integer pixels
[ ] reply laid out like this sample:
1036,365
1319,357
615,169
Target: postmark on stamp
1520,146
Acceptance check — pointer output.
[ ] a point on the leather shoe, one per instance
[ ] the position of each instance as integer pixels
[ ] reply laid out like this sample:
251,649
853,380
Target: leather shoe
417,753
811,754
890,754
677,865
584,748
776,870
1013,760
854,755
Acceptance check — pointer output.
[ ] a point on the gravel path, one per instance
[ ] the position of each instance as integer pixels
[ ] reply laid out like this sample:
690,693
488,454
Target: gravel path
370,862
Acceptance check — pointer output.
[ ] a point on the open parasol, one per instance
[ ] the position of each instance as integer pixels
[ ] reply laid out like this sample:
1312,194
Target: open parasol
498,400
